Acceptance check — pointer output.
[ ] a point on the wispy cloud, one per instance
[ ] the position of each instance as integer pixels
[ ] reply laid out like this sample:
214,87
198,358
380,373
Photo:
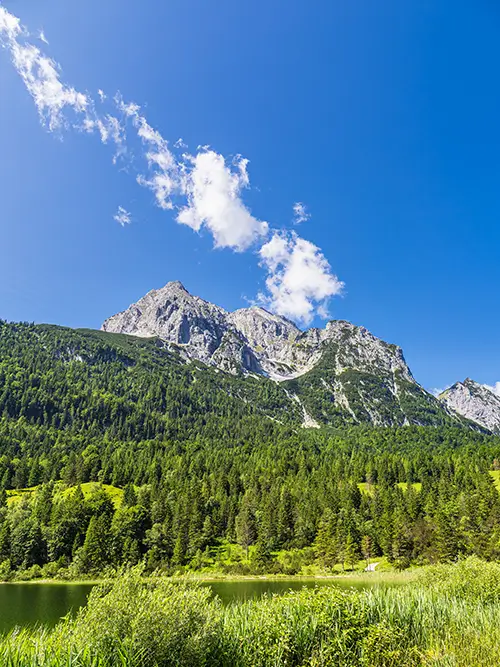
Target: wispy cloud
53,98
204,189
122,216
10,25
164,177
40,74
41,78
300,213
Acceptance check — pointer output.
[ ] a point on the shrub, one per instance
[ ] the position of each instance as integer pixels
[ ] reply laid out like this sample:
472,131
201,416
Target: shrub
153,623
471,579
385,646
293,629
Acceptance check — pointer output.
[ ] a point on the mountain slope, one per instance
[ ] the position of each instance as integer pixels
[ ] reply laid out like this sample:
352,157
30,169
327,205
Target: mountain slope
120,385
336,375
359,378
475,402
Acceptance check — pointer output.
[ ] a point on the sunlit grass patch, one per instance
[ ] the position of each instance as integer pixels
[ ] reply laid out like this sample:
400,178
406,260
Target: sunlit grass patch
495,474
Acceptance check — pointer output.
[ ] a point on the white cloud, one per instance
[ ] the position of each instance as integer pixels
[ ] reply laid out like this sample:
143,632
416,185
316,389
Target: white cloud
122,216
494,388
10,27
52,97
213,192
300,213
41,78
164,177
40,74
206,189
110,131
300,280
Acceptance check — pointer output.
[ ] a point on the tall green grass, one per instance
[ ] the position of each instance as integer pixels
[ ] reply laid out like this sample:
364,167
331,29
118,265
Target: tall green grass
448,617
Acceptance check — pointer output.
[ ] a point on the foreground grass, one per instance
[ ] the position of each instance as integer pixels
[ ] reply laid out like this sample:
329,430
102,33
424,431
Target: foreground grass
447,617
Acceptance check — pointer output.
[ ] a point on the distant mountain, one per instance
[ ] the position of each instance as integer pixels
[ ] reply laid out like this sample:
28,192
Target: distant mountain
339,374
475,402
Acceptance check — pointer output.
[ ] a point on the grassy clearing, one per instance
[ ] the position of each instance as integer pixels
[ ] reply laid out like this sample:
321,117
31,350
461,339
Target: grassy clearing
116,494
364,487
15,495
417,486
88,488
448,616
495,474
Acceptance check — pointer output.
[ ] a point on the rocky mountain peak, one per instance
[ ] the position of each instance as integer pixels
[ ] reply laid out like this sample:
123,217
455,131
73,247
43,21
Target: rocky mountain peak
174,315
174,286
475,402
267,343
341,371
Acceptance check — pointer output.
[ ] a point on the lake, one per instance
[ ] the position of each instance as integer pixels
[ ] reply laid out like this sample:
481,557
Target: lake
32,604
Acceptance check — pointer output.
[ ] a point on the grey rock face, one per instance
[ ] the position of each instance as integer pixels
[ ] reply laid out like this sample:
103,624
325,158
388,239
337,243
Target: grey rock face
475,402
250,339
341,372
174,315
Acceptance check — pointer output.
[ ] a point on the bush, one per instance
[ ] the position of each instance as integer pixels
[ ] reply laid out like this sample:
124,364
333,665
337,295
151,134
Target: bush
153,623
293,629
33,572
471,579
385,646
6,573
450,616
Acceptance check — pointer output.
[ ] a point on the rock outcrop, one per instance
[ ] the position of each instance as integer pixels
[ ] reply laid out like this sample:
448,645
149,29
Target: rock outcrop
474,401
338,373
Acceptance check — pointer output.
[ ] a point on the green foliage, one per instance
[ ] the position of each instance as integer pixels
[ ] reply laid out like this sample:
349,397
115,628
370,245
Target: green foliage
154,622
385,646
322,626
113,452
471,579
160,623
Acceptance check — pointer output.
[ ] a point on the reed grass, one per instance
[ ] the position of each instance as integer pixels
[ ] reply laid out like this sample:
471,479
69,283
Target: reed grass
448,617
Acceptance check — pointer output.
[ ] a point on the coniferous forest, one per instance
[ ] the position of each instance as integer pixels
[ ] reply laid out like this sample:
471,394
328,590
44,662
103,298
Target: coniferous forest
115,452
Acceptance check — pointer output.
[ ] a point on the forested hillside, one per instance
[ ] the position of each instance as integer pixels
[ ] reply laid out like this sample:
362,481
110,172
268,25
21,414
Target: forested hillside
207,460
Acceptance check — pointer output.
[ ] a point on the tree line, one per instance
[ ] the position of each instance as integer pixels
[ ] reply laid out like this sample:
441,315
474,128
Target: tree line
206,461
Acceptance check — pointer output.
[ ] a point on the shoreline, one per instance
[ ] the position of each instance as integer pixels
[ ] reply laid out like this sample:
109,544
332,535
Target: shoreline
389,575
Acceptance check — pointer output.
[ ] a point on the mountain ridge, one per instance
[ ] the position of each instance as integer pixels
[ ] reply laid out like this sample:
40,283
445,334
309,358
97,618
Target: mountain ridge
475,402
341,373
199,327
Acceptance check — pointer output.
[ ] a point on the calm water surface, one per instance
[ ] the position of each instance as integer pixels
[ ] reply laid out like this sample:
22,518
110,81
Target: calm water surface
35,604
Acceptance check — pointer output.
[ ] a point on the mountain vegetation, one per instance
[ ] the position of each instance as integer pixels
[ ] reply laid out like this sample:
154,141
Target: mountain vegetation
114,451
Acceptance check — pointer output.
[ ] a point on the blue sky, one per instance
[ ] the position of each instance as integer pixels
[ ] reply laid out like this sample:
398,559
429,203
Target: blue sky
381,118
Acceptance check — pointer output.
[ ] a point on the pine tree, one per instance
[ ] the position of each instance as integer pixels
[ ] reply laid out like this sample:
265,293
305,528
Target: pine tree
96,548
351,550
367,548
246,531
324,544
129,495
